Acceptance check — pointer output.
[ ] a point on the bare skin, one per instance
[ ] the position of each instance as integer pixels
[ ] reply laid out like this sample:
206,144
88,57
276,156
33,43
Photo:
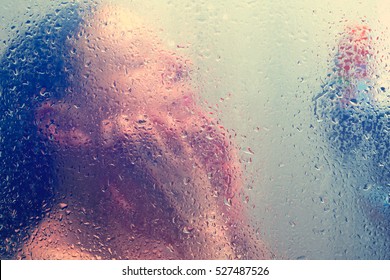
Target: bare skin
143,173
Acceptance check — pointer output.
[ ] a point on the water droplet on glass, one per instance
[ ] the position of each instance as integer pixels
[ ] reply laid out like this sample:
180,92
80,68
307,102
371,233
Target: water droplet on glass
62,205
367,187
227,202
187,230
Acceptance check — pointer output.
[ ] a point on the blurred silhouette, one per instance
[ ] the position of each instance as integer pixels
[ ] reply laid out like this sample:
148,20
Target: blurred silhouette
106,154
355,122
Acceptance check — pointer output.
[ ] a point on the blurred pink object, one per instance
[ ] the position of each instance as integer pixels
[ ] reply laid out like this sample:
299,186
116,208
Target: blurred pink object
353,64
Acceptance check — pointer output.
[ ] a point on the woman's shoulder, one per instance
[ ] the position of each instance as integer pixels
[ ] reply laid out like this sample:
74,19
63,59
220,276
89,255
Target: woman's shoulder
50,241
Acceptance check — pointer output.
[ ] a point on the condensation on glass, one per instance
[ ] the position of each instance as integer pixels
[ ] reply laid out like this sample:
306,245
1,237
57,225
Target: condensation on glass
105,145
199,131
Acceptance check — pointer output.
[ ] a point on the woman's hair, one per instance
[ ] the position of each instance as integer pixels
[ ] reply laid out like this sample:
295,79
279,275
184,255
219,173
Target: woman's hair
35,67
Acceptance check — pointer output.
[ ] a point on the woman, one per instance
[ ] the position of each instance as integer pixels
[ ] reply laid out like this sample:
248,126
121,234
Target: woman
137,169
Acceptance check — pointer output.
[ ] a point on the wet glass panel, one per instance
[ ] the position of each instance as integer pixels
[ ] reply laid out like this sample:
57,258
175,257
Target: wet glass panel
197,130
